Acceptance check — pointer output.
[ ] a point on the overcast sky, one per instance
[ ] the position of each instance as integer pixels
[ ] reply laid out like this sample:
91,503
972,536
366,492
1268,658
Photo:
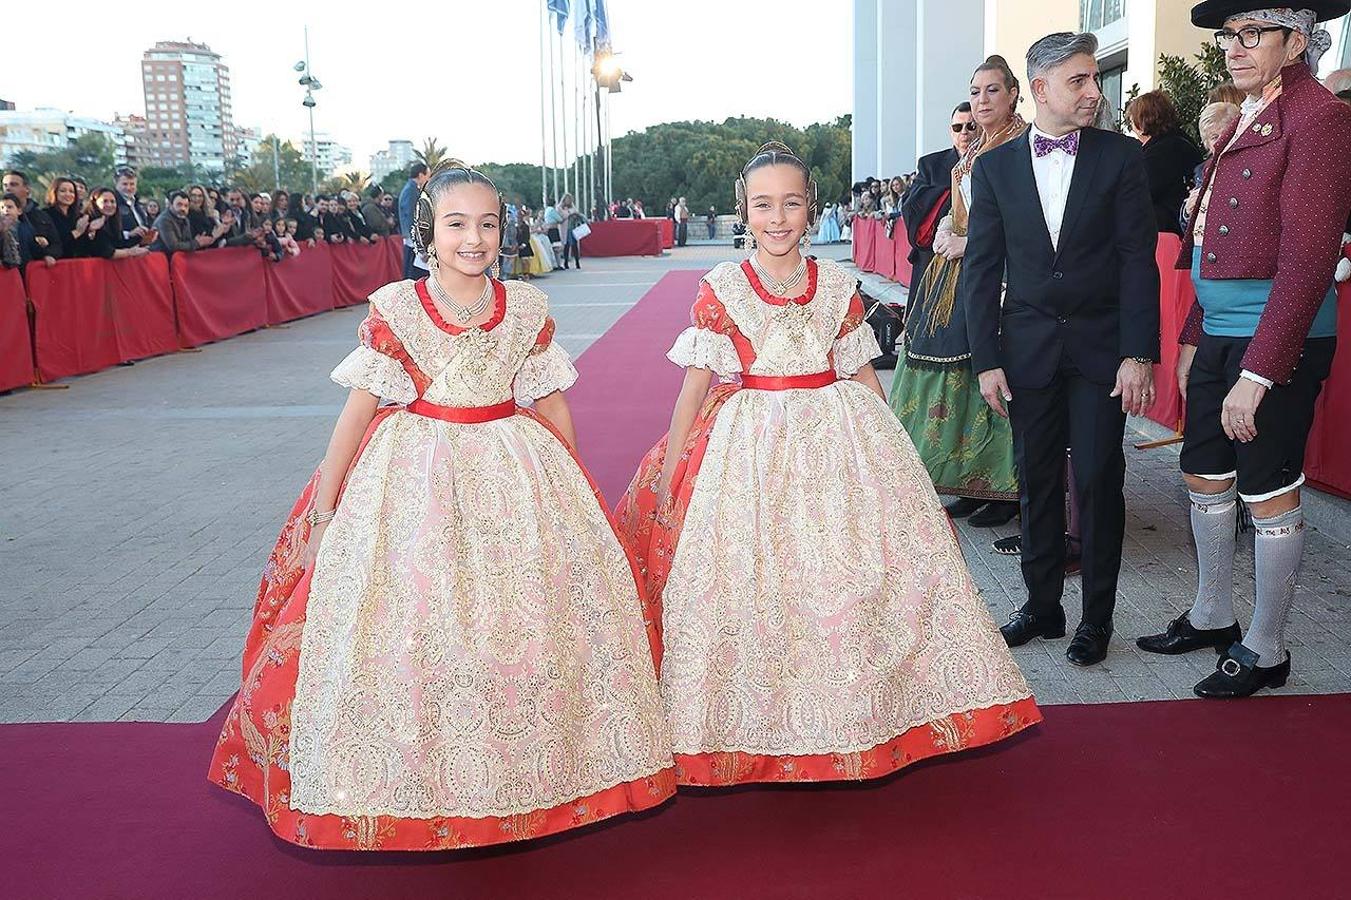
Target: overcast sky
465,72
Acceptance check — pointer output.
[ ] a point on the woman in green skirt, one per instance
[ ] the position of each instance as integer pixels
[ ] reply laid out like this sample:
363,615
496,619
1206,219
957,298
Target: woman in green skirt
967,449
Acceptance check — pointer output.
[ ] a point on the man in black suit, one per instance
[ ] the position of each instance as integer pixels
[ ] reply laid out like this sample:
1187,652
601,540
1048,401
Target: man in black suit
929,197
1066,208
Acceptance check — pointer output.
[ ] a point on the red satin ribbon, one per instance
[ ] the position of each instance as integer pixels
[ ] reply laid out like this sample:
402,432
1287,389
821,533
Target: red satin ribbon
464,415
788,382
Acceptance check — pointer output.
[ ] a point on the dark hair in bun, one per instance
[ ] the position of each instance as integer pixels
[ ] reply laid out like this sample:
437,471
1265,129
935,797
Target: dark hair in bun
775,153
998,64
446,175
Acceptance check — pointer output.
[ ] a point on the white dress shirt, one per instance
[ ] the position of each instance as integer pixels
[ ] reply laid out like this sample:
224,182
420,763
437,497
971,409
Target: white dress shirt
1053,173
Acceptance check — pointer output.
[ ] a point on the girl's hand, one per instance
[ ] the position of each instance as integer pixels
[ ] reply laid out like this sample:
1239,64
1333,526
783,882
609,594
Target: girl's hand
312,545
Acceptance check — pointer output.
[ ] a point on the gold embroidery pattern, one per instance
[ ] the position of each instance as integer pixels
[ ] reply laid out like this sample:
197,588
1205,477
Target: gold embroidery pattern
474,641
801,629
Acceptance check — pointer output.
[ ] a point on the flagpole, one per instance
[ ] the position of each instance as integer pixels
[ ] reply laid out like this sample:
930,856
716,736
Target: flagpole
543,136
577,118
553,108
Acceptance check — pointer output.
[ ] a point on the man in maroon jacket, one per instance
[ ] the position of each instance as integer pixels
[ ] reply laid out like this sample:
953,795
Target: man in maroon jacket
1264,242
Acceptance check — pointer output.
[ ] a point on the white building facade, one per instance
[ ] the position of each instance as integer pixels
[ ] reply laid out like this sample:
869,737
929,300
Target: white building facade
913,60
397,156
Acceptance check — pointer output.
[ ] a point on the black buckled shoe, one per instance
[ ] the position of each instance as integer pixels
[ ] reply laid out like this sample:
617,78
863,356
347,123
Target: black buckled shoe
1238,675
1182,636
1000,512
963,507
1089,645
1023,626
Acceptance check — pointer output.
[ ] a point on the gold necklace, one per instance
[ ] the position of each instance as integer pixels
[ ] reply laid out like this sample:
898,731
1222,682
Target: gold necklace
774,285
464,312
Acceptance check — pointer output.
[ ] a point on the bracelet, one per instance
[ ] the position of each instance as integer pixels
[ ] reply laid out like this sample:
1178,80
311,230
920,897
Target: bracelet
314,517
1143,360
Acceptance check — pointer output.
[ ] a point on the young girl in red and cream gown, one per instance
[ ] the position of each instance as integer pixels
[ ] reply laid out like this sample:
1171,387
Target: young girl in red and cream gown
448,648
817,619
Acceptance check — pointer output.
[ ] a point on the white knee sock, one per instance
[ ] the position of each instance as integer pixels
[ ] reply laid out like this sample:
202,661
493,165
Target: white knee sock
1212,518
1279,547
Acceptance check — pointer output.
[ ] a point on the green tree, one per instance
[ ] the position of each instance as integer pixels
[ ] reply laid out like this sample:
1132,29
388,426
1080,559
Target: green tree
296,171
431,153
89,156
1188,84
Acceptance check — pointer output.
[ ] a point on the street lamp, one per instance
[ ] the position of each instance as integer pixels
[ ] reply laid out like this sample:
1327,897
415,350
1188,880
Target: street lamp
311,84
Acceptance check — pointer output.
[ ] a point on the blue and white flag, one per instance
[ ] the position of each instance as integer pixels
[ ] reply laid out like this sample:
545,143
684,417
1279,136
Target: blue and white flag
584,24
601,23
560,9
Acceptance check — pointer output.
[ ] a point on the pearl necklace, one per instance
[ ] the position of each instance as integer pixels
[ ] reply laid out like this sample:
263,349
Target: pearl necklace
774,285
463,312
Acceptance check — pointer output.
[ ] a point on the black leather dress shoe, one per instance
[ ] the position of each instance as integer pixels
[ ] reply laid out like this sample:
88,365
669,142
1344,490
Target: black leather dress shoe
963,507
1238,675
994,515
1023,626
1089,645
1182,636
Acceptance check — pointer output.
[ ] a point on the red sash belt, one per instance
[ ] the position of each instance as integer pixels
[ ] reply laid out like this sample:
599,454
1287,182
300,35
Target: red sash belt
464,415
788,382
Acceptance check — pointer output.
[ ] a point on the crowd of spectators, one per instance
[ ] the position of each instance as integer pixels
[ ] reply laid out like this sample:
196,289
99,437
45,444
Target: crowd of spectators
116,222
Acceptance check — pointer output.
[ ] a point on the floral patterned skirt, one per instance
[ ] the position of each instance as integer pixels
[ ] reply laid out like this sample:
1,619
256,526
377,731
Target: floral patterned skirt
966,448
818,621
465,664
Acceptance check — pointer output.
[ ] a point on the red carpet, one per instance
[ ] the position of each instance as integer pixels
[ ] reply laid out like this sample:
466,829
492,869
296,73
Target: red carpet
1141,800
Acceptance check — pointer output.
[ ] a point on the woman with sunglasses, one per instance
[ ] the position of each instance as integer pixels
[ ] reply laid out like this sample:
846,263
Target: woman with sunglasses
967,450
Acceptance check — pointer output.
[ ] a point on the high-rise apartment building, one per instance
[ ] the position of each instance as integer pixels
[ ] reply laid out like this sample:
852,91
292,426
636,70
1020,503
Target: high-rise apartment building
187,105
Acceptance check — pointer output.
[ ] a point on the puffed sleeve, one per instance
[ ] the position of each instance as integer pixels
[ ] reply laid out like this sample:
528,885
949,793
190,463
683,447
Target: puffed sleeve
855,345
707,343
548,368
369,369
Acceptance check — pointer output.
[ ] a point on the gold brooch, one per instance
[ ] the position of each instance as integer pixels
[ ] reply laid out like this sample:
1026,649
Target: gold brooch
1257,128
1266,130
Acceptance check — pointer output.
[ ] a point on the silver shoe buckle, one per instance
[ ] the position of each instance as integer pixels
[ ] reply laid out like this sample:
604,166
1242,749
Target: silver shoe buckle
1231,667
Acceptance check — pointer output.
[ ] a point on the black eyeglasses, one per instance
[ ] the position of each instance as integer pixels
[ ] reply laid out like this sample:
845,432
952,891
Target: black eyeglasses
959,127
1248,37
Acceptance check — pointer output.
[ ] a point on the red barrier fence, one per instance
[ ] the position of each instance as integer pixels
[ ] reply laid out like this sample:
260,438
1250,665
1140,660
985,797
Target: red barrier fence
624,237
882,255
16,349
667,227
1327,463
89,314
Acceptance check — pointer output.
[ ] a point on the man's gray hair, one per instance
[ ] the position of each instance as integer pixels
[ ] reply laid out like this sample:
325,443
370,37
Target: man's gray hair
1057,49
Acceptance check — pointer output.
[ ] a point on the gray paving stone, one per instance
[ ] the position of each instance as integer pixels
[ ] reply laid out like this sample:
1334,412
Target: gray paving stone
132,544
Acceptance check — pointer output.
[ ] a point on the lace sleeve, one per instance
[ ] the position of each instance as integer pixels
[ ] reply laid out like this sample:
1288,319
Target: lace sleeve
704,349
856,345
548,368
368,369
707,343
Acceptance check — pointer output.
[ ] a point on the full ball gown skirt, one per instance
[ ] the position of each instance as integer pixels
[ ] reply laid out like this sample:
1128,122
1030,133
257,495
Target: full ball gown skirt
966,448
818,621
467,662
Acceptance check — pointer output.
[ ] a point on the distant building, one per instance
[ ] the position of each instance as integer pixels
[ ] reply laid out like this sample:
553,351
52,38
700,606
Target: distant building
246,145
6,104
52,130
398,156
331,155
187,105
135,140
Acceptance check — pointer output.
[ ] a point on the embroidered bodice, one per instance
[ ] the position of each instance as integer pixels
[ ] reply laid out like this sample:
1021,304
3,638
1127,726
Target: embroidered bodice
738,326
408,351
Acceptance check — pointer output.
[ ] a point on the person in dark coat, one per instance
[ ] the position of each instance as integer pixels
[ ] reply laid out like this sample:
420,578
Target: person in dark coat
1170,156
929,197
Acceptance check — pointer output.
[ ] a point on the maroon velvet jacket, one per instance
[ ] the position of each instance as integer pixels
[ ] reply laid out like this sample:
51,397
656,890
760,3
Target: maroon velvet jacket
1281,198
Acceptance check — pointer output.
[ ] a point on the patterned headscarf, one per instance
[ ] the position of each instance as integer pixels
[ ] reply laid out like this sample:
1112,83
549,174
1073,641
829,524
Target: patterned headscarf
1302,20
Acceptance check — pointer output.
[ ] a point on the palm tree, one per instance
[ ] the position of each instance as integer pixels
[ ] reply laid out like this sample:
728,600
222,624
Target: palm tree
355,181
431,153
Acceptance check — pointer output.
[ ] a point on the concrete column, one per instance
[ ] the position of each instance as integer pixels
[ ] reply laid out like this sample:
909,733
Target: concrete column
899,57
864,152
951,43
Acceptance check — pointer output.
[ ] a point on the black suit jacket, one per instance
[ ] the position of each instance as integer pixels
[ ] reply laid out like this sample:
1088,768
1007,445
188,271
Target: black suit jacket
933,178
1092,301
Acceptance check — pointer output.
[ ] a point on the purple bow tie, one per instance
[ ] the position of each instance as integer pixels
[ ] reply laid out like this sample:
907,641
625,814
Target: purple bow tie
1043,145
